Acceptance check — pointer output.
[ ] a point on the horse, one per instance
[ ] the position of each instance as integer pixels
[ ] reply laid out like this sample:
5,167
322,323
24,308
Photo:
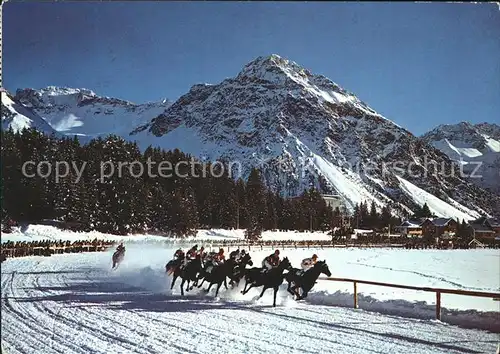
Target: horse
172,265
218,275
273,278
306,280
239,270
118,258
187,273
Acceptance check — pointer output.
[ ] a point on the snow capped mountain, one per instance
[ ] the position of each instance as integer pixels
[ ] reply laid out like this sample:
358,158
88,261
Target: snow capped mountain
475,147
304,129
82,112
17,117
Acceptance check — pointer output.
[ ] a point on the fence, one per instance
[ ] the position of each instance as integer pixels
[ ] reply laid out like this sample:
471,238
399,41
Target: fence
12,252
438,291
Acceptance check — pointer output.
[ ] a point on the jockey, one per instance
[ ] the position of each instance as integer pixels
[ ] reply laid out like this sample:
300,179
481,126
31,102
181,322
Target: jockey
202,252
179,254
308,263
121,247
240,256
214,259
220,257
235,254
271,261
191,254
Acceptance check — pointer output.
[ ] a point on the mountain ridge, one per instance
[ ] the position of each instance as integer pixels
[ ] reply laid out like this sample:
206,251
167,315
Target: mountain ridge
303,129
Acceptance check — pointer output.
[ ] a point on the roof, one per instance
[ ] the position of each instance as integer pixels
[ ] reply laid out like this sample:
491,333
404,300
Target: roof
411,223
440,221
493,222
481,228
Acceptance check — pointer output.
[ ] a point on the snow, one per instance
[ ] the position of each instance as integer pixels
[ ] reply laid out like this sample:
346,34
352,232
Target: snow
45,232
493,145
346,183
453,209
74,303
20,117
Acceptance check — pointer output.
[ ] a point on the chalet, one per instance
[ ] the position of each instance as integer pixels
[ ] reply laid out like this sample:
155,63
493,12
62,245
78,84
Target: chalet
410,228
444,228
491,223
482,232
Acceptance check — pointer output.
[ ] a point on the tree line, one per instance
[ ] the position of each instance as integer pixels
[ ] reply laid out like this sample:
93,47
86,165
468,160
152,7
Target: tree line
177,205
131,203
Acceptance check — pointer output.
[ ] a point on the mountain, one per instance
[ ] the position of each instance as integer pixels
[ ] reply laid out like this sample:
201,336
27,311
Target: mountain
84,113
475,147
17,117
303,129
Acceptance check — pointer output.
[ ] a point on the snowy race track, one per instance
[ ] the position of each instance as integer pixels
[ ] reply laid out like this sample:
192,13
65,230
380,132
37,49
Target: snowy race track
75,304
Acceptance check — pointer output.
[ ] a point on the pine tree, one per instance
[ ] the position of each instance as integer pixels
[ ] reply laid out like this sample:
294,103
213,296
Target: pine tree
257,208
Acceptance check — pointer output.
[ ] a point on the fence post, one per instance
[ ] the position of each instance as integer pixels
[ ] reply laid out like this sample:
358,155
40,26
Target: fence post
438,305
355,295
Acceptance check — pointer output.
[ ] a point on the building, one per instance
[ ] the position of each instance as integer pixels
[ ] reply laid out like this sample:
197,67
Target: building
486,230
443,228
410,228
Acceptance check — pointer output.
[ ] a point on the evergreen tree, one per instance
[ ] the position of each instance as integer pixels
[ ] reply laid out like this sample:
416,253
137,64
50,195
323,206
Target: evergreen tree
257,208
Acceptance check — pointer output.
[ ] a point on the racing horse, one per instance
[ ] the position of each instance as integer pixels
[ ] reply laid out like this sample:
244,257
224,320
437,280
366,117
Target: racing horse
239,270
187,273
273,278
118,258
305,280
218,275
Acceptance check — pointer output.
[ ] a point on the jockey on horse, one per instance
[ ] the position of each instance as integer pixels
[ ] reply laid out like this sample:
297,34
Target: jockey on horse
214,259
308,263
271,261
176,262
120,248
118,255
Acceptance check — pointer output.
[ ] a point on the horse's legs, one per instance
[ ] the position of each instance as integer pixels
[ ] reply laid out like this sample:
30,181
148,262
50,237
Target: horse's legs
246,291
263,291
182,286
275,292
225,283
245,287
218,287
199,286
289,289
187,287
173,281
210,286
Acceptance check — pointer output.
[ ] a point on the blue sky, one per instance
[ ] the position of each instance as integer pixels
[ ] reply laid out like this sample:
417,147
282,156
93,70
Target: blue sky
418,64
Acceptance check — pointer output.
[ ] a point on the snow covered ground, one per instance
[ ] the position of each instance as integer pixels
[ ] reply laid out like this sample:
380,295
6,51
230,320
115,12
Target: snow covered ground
74,303
43,232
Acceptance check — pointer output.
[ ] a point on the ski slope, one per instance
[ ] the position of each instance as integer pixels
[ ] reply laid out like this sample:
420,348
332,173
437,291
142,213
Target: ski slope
74,303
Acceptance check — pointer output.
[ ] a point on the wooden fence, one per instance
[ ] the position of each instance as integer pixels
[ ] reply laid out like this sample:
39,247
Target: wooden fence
438,291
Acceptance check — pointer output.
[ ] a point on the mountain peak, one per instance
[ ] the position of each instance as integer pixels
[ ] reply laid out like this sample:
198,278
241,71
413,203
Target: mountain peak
273,69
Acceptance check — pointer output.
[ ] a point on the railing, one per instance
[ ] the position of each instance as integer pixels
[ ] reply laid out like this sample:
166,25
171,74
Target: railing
438,291
40,250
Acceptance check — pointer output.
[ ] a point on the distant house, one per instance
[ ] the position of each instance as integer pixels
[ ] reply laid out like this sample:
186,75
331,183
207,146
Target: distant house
485,229
482,232
443,228
410,228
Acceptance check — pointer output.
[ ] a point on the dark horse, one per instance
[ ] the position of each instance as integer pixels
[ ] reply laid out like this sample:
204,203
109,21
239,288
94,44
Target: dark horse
187,273
218,275
117,258
273,278
305,281
239,270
